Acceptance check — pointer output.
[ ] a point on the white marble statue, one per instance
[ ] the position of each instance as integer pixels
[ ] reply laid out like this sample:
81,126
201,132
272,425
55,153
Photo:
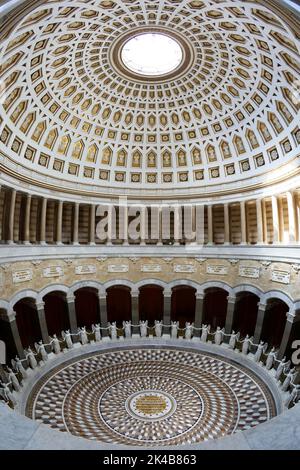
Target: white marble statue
261,348
13,379
282,367
113,330
189,328
233,339
40,349
68,338
271,359
31,358
143,328
246,345
205,332
289,378
293,397
7,394
55,344
83,335
158,328
174,329
18,366
219,336
127,328
97,332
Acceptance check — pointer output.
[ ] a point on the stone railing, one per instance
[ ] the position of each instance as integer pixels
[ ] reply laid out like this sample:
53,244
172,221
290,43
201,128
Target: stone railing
260,353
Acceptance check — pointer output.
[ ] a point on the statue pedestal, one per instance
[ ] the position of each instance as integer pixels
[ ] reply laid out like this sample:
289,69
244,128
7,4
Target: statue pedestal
106,339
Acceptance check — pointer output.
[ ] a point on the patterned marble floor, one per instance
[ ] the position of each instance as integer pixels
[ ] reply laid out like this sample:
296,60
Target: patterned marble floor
150,396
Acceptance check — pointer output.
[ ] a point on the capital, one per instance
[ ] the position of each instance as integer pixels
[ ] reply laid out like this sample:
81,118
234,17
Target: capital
261,306
167,293
40,305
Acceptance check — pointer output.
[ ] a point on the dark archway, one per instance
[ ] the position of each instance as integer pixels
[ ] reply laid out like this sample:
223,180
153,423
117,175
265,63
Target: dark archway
151,303
183,305
245,313
56,312
274,322
118,304
215,307
28,322
87,306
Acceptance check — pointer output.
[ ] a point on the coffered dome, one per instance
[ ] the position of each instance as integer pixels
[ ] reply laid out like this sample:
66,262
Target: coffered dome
74,114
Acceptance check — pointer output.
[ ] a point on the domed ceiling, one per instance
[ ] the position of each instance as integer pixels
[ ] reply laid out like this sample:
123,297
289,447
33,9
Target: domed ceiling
227,116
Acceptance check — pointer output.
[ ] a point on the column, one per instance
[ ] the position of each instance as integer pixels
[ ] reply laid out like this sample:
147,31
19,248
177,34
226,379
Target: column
259,322
123,221
230,314
297,211
159,220
72,314
144,225
59,223
11,216
75,223
92,224
259,219
11,318
210,225
292,218
281,235
243,223
198,313
275,220
291,320
265,224
42,321
167,310
27,220
103,312
43,222
226,225
135,311
177,229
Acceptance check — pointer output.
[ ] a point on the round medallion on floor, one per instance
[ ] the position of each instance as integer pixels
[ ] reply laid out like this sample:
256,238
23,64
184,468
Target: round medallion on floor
150,405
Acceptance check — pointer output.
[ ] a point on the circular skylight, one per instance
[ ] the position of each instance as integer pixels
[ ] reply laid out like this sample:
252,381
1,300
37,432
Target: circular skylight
152,54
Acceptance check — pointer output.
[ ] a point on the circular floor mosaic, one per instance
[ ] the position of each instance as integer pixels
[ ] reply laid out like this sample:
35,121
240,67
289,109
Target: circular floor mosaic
150,396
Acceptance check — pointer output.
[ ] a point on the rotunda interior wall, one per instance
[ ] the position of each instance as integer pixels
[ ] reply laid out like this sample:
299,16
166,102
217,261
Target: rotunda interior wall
233,275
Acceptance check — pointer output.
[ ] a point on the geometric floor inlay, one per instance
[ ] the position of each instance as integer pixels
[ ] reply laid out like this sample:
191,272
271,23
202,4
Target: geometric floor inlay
150,396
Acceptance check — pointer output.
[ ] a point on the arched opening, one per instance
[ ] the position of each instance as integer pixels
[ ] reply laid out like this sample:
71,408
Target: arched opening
7,337
215,307
118,304
245,313
183,304
56,312
151,303
274,322
87,306
27,322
